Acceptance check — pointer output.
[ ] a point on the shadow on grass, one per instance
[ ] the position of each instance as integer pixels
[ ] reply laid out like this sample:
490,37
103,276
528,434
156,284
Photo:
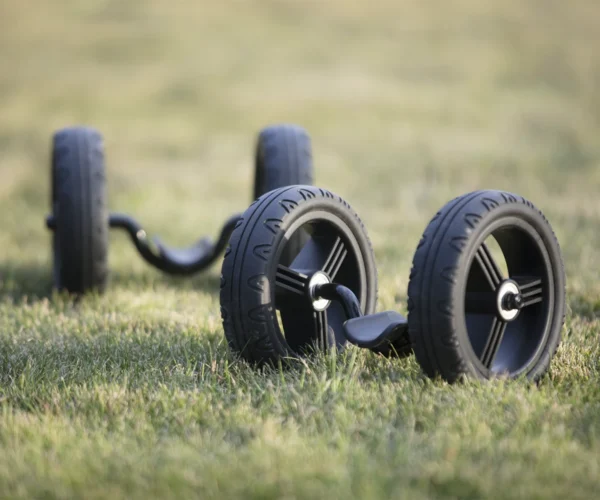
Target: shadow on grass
202,282
584,421
32,280
25,280
584,306
140,353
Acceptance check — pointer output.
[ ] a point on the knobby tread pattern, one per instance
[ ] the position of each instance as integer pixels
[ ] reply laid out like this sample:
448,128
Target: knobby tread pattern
249,318
80,210
438,265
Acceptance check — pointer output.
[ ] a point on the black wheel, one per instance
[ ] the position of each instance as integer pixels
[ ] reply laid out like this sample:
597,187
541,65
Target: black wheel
468,315
283,158
80,239
266,307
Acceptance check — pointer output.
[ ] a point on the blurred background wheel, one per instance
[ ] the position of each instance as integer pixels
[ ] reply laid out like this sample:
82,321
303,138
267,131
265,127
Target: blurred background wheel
79,209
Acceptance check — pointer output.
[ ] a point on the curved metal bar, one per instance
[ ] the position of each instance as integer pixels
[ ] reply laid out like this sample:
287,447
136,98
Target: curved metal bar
175,261
371,331
341,294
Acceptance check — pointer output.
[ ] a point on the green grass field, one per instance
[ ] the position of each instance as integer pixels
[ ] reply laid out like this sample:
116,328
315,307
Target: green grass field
409,103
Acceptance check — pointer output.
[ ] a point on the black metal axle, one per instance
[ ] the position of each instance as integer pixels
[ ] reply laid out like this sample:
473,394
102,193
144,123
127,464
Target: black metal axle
180,262
513,301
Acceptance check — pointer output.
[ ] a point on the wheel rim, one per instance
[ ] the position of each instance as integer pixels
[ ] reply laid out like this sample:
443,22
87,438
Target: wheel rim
329,248
508,317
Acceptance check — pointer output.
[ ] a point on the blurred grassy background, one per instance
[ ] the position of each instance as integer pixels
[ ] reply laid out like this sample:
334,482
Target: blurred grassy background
409,103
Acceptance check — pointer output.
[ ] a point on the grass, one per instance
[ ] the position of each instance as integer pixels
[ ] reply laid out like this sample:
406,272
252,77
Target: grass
134,395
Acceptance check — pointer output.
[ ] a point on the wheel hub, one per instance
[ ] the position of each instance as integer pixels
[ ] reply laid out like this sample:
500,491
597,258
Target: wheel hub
509,300
318,303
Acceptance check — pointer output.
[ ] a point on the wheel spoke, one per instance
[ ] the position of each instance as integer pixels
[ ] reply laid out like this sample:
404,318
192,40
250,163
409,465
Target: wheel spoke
531,289
289,283
311,256
335,259
493,342
488,266
533,297
321,329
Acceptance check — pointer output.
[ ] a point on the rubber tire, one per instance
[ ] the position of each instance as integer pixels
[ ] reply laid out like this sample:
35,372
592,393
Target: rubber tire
283,158
249,319
439,273
80,239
